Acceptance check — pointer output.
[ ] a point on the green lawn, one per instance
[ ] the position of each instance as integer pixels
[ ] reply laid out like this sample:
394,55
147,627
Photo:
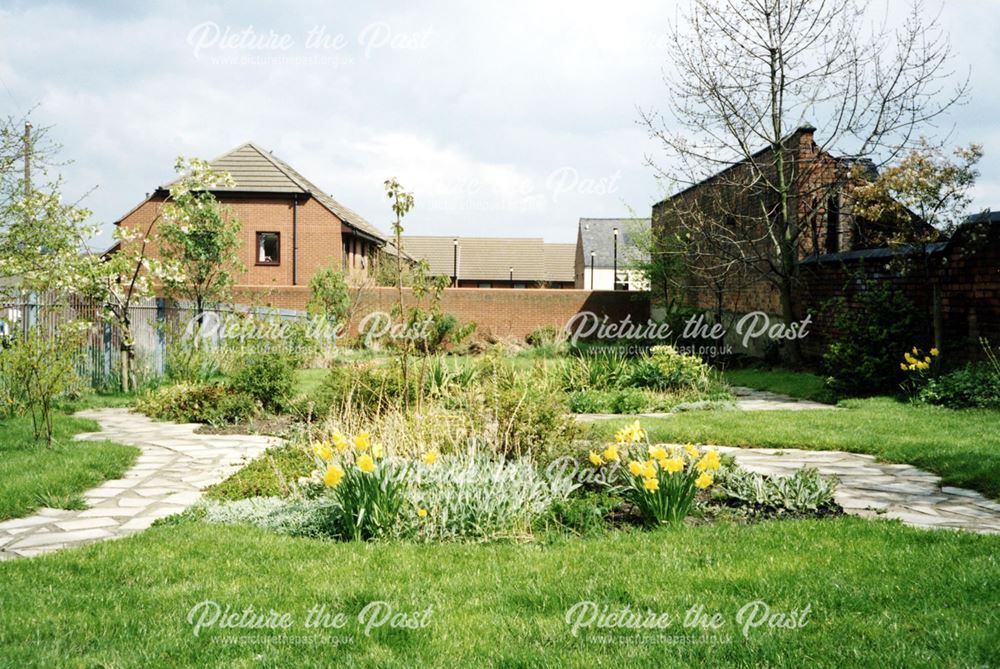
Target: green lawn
794,384
33,475
879,594
963,447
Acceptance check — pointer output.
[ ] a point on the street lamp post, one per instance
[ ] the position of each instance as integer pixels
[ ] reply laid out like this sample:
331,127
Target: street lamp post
592,254
614,278
455,263
511,268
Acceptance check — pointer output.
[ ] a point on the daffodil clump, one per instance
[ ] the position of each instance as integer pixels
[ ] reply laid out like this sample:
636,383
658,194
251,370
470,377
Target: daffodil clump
368,487
661,481
914,361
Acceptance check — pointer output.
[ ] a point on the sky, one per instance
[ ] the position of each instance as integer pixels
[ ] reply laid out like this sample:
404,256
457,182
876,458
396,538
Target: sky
511,118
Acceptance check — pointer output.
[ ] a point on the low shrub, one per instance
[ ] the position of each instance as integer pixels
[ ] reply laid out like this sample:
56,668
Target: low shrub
871,331
198,403
268,378
969,387
628,401
805,492
589,401
665,368
369,389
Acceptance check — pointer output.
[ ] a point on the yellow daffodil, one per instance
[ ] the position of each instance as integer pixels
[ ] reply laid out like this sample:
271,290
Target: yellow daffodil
323,451
635,468
595,459
333,475
377,451
703,481
610,453
422,513
691,450
362,441
915,351
935,352
709,461
339,440
366,464
650,484
648,469
909,358
621,436
429,458
673,465
657,452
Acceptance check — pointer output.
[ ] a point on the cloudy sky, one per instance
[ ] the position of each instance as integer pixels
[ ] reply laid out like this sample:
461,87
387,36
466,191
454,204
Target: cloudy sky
505,118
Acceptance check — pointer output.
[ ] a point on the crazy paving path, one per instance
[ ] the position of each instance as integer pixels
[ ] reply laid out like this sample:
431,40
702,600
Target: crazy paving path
167,478
881,490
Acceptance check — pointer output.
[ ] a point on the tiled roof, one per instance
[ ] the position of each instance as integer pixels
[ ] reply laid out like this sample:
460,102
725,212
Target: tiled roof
492,258
597,235
560,262
256,170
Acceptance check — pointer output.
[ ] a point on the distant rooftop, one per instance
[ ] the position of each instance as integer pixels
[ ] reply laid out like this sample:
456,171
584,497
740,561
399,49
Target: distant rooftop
597,235
492,258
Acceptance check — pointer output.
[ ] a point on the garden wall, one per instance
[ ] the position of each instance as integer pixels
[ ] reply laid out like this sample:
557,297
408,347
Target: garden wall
497,312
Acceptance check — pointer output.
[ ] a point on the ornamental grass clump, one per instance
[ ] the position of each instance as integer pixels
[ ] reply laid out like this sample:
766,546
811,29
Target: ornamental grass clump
661,481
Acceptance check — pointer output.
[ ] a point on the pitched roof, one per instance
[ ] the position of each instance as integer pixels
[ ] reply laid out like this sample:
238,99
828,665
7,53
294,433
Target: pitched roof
560,261
491,258
256,170
597,236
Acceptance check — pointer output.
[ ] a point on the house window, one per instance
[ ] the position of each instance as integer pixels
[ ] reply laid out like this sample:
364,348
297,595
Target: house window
268,248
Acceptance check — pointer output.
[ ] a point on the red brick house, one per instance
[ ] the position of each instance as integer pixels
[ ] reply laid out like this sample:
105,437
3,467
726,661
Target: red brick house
290,226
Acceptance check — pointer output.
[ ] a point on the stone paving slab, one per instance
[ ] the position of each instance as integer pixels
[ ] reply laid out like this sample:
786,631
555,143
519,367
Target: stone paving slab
161,483
881,490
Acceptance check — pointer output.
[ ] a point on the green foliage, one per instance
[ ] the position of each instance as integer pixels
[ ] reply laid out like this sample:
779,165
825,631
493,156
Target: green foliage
872,332
210,403
590,401
444,333
330,295
969,387
369,389
471,496
628,400
274,474
543,336
199,237
41,368
667,369
585,512
804,492
295,517
267,378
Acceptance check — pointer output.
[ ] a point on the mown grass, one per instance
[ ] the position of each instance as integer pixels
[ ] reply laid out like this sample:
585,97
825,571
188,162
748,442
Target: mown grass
963,447
879,594
802,385
33,475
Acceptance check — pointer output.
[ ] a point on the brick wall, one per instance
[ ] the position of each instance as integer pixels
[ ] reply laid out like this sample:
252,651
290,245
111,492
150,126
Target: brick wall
495,312
967,274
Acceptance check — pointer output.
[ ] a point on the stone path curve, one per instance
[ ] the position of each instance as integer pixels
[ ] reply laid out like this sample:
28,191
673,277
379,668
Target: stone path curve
747,399
881,490
168,476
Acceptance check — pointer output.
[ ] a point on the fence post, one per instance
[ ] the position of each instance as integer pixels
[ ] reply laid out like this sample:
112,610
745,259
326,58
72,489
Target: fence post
161,338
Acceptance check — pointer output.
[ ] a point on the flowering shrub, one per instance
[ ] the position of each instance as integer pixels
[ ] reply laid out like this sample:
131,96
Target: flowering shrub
660,481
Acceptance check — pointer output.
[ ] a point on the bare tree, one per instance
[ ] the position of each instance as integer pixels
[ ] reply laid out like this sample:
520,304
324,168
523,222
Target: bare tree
749,79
